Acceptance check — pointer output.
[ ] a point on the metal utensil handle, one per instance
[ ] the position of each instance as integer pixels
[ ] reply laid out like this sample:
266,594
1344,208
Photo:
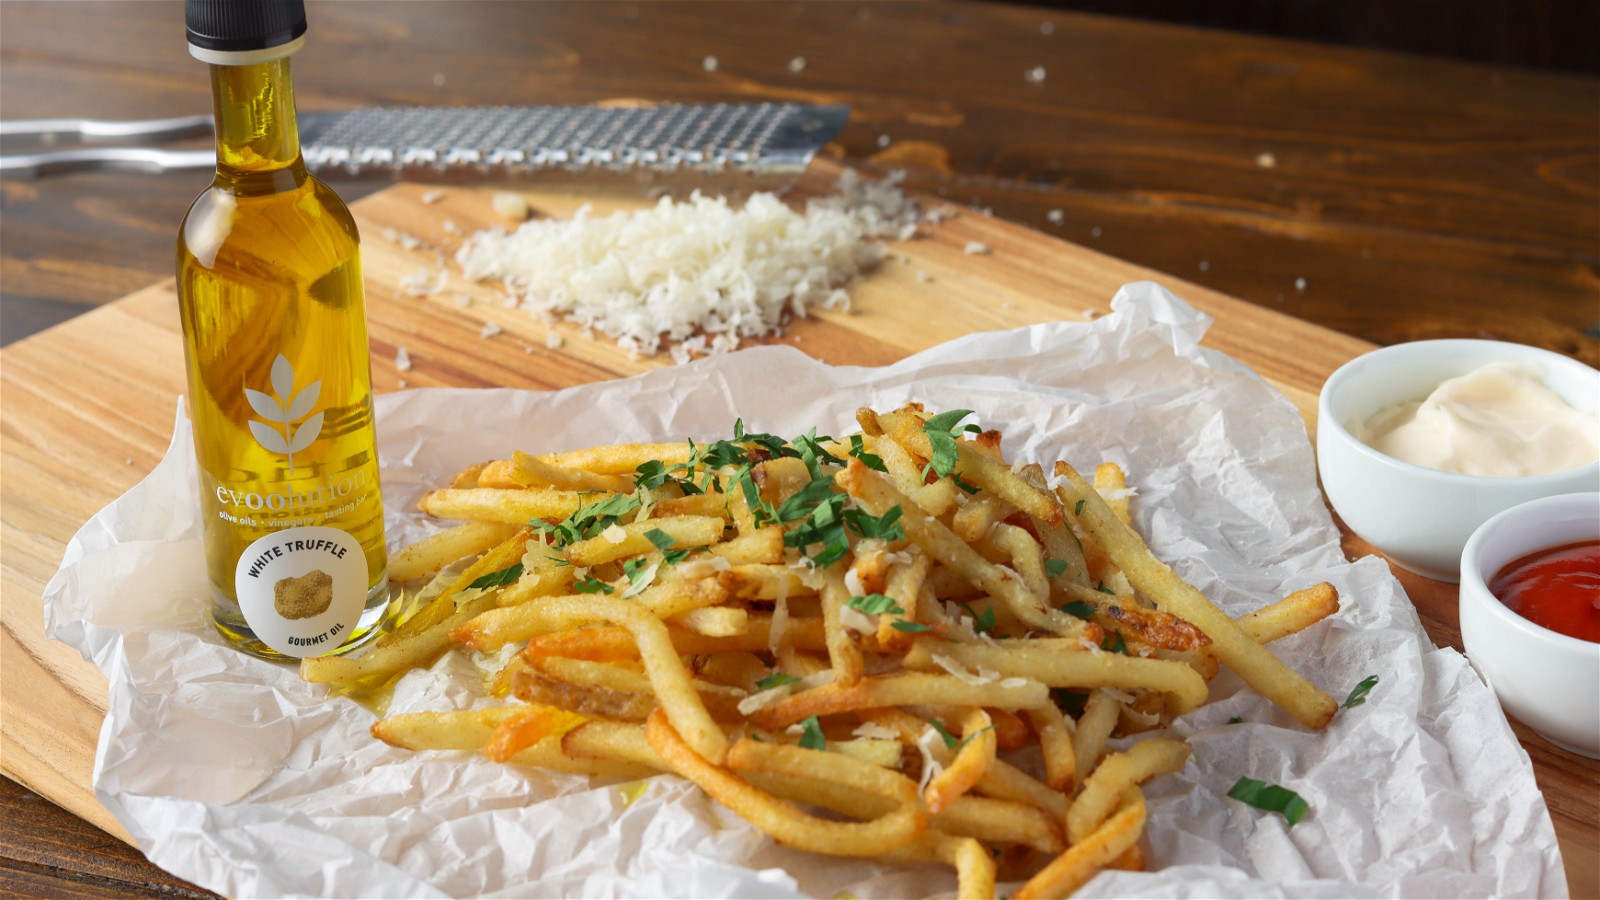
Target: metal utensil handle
96,130
128,159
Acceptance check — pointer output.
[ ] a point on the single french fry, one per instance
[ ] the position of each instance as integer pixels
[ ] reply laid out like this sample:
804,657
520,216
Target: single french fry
975,868
1004,781
1254,663
1055,744
513,507
426,557
901,689
715,621
526,726
972,521
780,819
633,539
843,651
1073,868
1025,554
1100,714
762,546
618,459
497,627
1294,613
765,582
1086,668
412,650
710,503
904,587
1116,773
971,762
617,742
1111,484
523,470
453,730
468,477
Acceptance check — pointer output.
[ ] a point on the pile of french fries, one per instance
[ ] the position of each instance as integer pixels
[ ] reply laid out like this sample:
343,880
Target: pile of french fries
893,645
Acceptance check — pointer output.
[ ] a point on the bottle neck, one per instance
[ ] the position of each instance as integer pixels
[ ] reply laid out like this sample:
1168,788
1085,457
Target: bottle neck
258,141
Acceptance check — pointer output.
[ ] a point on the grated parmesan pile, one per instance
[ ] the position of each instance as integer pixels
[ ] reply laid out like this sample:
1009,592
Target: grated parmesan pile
699,275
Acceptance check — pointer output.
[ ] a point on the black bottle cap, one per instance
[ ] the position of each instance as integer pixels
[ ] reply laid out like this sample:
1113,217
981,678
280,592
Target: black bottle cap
235,26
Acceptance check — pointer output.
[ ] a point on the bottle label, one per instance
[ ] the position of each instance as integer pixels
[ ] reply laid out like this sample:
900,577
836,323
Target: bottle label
303,589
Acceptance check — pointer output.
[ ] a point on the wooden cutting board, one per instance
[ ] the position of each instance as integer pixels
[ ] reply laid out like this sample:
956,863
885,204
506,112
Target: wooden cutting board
89,405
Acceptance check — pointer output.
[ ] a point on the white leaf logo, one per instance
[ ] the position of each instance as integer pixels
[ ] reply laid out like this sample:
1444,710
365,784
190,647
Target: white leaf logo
284,409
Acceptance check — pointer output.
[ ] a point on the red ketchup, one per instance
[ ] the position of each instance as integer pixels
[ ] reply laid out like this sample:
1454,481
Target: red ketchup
1557,587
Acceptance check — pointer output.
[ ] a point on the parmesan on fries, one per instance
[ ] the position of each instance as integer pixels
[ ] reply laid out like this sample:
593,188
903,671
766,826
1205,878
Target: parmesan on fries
853,643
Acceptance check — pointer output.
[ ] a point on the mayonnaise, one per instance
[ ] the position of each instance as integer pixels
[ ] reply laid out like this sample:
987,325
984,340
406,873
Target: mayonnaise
1497,421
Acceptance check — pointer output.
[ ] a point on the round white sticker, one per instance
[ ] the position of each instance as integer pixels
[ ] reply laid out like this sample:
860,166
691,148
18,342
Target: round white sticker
302,590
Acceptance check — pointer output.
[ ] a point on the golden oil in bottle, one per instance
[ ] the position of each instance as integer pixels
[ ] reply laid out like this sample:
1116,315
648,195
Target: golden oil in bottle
275,340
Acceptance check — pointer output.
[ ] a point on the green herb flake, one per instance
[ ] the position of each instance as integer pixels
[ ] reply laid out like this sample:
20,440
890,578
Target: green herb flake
592,585
1114,644
885,527
908,627
1358,696
1235,720
503,577
941,431
872,461
1055,568
1083,609
1078,510
659,538
950,740
776,679
1070,702
811,736
875,604
1101,587
1270,797
982,623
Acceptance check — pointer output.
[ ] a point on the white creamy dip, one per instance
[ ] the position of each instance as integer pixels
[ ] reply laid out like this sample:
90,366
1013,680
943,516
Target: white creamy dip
1497,421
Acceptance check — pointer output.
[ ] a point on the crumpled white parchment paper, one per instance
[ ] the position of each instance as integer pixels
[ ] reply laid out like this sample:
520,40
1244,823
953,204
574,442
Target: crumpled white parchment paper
232,773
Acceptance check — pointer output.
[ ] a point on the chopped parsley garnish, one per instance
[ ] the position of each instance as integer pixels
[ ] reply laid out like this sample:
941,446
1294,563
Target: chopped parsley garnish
589,520
1358,696
874,604
1101,587
1114,644
1235,720
659,538
811,736
1078,510
823,524
941,431
809,447
776,679
592,585
982,623
1055,568
964,484
908,627
885,527
950,740
1271,798
500,578
640,573
1083,609
872,461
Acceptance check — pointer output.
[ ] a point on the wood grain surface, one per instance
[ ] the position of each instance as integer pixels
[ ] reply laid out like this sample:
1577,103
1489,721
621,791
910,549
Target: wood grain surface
79,397
1381,196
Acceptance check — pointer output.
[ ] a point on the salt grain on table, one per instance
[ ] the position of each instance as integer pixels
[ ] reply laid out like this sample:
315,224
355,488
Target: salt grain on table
402,359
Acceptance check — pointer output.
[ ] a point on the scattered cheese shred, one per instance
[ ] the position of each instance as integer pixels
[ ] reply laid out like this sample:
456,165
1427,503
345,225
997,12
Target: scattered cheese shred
699,274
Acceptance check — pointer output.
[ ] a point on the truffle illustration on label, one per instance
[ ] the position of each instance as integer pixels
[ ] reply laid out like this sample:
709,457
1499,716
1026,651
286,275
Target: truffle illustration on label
302,589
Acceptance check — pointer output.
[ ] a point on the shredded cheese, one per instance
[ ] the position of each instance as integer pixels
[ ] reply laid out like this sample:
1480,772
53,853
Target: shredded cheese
699,274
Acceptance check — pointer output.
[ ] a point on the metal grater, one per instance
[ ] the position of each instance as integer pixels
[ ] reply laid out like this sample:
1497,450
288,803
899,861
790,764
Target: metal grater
773,141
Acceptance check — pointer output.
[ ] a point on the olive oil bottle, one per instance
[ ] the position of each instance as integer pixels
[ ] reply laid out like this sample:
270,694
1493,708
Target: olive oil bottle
275,339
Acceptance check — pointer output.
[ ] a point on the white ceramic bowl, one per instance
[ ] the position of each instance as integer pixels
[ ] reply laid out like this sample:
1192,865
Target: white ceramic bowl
1419,517
1548,680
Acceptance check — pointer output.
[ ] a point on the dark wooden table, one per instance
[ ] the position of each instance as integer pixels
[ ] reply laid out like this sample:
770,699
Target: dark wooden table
1388,197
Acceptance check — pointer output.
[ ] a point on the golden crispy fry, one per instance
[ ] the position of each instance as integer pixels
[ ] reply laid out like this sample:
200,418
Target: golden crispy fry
523,470
715,621
446,604
1094,728
975,868
1010,732
498,627
707,504
904,689
977,751
526,726
763,546
633,539
468,477
415,649
454,730
973,521
1112,486
1023,553
514,507
1115,774
1294,613
1055,744
780,819
426,557
618,459
1086,668
1004,781
1072,869
904,587
843,651
1254,663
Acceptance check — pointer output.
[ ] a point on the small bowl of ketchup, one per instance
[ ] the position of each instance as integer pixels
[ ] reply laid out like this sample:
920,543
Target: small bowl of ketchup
1530,615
